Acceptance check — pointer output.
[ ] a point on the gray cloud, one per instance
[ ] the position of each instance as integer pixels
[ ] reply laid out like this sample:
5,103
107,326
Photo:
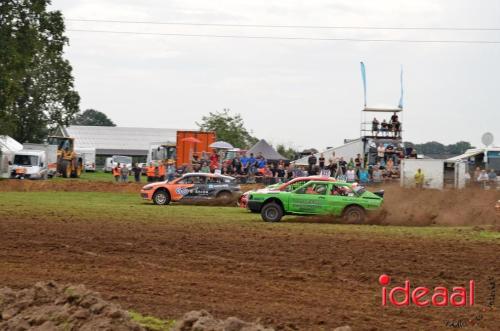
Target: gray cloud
303,92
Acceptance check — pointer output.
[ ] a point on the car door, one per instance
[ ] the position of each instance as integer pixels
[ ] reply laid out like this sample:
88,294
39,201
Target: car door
309,199
341,195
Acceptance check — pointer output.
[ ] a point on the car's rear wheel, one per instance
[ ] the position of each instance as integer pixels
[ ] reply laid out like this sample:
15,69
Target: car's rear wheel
354,215
224,197
272,212
161,197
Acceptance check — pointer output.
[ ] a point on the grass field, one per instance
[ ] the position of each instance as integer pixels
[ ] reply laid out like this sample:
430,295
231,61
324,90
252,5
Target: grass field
96,206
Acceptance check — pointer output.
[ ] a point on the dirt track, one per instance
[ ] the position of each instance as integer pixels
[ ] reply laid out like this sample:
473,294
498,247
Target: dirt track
290,280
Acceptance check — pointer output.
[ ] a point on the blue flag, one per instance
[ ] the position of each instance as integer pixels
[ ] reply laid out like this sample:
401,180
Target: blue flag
363,76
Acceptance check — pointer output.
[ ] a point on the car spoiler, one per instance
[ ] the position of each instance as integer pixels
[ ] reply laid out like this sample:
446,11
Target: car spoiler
380,193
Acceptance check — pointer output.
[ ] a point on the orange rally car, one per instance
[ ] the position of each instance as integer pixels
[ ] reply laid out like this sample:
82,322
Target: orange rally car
192,187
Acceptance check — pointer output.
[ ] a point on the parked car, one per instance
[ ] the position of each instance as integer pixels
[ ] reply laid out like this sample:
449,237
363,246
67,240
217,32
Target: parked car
192,186
350,201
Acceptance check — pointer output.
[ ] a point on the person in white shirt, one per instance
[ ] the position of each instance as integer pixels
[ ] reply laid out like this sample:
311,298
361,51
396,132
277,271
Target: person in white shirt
380,152
351,175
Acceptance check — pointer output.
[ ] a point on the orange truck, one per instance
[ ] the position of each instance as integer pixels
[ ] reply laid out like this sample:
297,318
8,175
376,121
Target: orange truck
187,144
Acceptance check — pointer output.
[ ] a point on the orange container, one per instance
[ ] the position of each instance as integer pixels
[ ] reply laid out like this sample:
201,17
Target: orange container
188,145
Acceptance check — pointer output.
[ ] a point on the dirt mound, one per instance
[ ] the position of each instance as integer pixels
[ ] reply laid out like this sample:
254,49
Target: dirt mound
203,321
447,207
49,306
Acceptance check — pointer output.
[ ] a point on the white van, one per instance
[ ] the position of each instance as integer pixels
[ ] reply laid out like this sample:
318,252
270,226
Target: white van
88,158
30,164
111,162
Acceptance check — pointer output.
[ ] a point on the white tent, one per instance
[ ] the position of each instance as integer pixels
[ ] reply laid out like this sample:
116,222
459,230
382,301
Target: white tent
8,147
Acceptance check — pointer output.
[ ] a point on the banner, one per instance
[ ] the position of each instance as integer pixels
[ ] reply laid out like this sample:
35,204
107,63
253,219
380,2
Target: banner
401,98
363,76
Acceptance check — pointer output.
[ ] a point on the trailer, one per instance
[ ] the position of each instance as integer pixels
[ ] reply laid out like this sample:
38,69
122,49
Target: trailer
187,144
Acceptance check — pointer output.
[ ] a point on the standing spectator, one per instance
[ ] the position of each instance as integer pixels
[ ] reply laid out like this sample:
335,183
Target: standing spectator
389,165
196,163
384,127
492,176
214,161
244,163
483,178
205,168
261,162
477,173
342,166
377,175
351,163
162,171
351,175
124,174
150,172
321,161
237,165
311,161
171,171
358,161
280,173
380,152
419,179
116,172
375,124
252,164
136,170
363,176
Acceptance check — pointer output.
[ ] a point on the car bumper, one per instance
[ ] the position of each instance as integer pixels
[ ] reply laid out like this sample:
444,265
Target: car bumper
254,206
147,195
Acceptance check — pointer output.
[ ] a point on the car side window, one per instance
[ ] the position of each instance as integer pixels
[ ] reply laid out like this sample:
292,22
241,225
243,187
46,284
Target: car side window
315,188
341,190
186,180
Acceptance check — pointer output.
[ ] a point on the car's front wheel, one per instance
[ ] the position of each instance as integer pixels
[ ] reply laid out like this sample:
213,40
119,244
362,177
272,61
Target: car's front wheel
354,215
272,212
161,197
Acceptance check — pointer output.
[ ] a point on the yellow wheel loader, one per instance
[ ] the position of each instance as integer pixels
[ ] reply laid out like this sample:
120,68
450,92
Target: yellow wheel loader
69,163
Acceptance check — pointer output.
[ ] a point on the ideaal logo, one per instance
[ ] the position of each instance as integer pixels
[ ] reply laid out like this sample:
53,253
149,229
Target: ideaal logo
439,297
422,296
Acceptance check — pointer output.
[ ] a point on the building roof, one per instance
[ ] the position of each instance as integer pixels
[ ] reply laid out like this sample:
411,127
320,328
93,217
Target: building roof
8,144
117,140
472,152
267,151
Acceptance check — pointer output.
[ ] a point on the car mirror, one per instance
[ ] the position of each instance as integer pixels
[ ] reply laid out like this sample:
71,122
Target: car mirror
41,164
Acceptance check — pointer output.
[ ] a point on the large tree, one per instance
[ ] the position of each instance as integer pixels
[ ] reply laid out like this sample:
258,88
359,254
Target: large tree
229,128
435,148
92,117
36,82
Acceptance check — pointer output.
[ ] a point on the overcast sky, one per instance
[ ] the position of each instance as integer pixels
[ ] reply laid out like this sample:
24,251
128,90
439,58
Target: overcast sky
299,92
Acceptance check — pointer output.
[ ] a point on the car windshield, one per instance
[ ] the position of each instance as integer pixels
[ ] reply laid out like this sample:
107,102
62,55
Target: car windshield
26,160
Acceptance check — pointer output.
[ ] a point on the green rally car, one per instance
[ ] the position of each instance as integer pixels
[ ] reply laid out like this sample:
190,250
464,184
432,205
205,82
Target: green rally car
350,201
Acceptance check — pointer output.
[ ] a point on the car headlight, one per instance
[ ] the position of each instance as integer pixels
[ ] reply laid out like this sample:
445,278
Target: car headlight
147,188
